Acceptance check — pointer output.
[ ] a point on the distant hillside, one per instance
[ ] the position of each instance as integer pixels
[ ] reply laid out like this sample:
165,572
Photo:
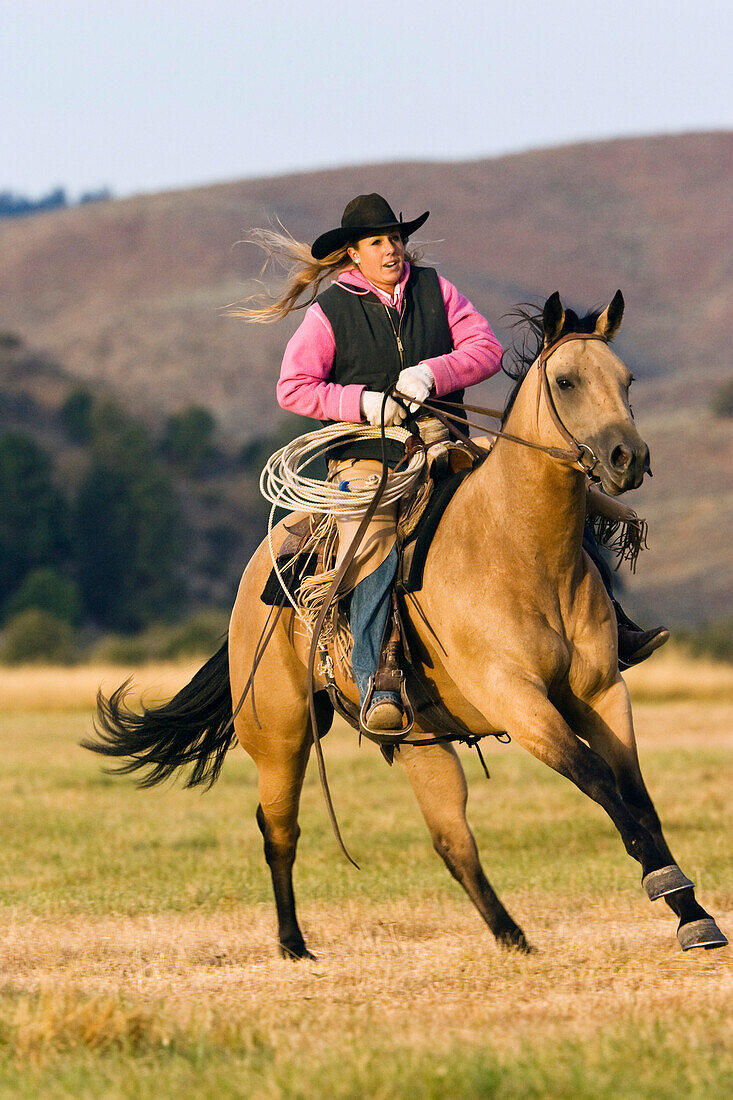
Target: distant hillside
131,293
85,486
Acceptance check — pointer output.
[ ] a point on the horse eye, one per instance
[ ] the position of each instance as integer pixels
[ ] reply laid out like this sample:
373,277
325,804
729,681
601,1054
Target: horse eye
564,384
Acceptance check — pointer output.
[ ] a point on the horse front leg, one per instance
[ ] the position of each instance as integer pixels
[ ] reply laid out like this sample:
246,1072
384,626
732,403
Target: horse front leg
525,712
607,725
439,784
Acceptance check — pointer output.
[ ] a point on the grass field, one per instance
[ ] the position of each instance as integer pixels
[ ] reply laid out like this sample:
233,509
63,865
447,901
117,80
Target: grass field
138,952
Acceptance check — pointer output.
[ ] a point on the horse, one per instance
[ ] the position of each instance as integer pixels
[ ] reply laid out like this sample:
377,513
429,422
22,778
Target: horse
512,630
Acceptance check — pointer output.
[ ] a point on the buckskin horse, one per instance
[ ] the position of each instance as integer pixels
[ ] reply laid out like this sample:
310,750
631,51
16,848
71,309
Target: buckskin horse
512,630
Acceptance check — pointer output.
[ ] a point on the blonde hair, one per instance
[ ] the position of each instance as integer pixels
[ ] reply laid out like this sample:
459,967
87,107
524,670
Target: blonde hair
304,275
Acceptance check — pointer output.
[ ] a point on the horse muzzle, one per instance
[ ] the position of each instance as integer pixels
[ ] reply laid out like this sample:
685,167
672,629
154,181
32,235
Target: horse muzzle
622,464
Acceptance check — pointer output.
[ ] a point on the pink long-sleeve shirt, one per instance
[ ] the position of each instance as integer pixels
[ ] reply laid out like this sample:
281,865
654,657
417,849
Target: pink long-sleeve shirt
303,386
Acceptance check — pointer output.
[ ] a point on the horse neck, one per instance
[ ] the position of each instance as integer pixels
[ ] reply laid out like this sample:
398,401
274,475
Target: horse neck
538,500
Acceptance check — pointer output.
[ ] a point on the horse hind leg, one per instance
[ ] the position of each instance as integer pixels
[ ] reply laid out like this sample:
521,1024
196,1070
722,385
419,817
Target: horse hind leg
280,846
439,784
281,767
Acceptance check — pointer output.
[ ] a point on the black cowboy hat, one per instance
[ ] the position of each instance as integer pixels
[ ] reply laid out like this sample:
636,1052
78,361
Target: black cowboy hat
364,215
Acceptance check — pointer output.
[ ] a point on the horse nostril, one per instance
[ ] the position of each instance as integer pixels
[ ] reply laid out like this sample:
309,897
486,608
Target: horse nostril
621,457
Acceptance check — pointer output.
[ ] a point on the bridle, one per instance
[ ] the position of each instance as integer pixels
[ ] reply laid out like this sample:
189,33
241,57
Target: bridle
574,455
544,387
577,454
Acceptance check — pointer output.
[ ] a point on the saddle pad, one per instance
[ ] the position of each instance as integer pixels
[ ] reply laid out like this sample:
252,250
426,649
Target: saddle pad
415,548
293,570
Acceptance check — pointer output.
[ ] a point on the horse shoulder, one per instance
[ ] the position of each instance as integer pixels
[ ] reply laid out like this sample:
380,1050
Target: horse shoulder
591,630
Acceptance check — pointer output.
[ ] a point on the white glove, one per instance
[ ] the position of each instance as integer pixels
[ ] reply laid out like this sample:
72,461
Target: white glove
371,407
416,382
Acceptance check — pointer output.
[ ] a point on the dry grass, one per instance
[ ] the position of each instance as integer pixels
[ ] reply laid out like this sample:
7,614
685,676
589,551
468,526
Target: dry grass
53,687
673,675
137,942
421,970
418,977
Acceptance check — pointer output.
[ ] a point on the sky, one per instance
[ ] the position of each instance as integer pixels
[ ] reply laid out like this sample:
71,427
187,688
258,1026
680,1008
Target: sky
157,95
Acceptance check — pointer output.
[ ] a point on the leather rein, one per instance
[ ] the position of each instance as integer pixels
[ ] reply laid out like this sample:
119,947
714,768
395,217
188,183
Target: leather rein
574,455
579,454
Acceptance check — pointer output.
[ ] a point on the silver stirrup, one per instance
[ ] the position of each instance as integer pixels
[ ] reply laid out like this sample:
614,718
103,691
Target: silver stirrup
386,737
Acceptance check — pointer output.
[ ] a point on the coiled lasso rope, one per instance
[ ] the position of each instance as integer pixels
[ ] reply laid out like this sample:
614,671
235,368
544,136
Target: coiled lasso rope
284,484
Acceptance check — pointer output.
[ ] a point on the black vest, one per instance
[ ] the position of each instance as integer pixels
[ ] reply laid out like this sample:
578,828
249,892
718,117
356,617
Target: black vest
374,342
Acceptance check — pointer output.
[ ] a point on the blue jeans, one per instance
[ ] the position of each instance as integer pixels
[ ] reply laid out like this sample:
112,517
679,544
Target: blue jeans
370,608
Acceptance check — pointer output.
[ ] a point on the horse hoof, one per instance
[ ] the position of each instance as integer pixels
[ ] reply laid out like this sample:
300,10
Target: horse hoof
297,951
701,933
667,880
515,940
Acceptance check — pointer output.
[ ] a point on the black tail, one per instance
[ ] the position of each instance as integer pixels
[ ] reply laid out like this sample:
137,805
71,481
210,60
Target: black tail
195,727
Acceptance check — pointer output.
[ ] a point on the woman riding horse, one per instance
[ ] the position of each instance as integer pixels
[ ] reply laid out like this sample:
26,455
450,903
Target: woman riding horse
383,323
512,630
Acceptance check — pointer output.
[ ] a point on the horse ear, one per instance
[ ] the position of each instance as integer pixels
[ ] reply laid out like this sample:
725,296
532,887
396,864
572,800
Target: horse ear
608,323
553,318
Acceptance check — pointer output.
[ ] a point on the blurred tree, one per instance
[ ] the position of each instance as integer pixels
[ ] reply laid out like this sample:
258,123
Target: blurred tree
76,416
102,195
117,439
223,545
188,440
256,451
103,543
13,206
714,639
722,402
36,635
33,515
128,532
48,589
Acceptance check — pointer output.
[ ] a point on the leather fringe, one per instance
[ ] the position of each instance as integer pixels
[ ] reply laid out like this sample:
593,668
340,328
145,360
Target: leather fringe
624,539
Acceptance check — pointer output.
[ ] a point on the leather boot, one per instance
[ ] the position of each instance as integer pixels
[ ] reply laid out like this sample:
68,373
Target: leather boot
635,644
384,714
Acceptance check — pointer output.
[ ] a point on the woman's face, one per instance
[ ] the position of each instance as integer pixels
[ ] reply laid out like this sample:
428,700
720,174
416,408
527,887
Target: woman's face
380,258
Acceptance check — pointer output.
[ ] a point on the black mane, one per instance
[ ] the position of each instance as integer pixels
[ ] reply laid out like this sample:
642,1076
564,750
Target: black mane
528,337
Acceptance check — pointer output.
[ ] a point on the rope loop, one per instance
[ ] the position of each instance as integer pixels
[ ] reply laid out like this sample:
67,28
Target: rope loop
284,483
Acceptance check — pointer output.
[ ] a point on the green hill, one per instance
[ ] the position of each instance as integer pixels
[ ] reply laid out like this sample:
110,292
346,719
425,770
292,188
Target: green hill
129,295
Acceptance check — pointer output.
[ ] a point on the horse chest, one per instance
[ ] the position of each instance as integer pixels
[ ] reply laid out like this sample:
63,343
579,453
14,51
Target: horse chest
591,669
